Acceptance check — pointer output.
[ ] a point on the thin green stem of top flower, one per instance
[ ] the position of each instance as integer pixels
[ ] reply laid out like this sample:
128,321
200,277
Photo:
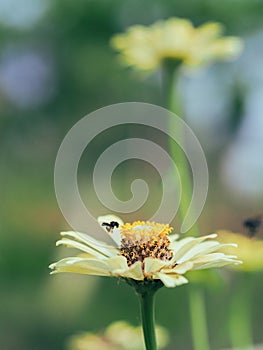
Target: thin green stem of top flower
173,102
196,295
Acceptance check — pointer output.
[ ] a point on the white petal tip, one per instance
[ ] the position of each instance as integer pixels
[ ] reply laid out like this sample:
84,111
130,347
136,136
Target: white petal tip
69,262
64,233
238,262
231,256
233,245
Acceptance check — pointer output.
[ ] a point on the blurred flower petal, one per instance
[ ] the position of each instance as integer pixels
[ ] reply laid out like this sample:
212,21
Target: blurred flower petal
146,48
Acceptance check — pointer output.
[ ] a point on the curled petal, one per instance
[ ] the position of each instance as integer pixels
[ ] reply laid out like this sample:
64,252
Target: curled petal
134,271
171,280
152,265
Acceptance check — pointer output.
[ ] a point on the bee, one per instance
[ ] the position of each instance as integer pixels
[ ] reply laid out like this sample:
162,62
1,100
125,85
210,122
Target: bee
109,226
252,224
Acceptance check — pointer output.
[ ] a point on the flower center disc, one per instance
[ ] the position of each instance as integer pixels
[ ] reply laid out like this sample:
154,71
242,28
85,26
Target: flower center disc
141,240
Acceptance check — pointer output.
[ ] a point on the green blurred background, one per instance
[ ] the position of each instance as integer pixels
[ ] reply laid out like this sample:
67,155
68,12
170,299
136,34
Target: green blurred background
56,66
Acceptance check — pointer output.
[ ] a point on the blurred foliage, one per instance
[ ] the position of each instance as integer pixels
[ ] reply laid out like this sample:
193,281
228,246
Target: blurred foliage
118,336
69,45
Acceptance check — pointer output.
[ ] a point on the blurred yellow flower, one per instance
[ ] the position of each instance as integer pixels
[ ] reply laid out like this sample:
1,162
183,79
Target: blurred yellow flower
249,250
144,252
118,336
145,48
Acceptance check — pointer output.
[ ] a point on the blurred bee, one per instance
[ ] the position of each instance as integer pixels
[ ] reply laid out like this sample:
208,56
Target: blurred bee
252,224
109,226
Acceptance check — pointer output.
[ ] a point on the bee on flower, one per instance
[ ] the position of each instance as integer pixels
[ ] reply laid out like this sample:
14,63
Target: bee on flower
143,252
145,48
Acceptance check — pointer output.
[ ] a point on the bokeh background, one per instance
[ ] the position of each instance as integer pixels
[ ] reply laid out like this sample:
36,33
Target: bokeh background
56,66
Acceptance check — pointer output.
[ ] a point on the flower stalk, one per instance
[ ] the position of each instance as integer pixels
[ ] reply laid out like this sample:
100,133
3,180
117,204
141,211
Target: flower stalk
147,318
146,294
172,99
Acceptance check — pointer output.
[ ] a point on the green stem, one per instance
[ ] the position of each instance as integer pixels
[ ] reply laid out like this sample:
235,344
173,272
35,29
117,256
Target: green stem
198,319
147,317
196,296
240,316
146,292
172,100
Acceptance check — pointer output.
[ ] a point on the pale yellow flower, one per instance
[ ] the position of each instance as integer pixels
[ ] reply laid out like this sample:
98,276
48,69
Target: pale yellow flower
144,251
145,48
249,250
118,336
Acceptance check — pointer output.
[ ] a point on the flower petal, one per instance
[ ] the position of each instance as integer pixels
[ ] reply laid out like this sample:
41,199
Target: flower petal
145,48
198,249
218,263
152,265
98,246
134,271
203,248
213,260
82,266
182,268
118,263
173,237
171,280
115,266
249,250
183,246
90,252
